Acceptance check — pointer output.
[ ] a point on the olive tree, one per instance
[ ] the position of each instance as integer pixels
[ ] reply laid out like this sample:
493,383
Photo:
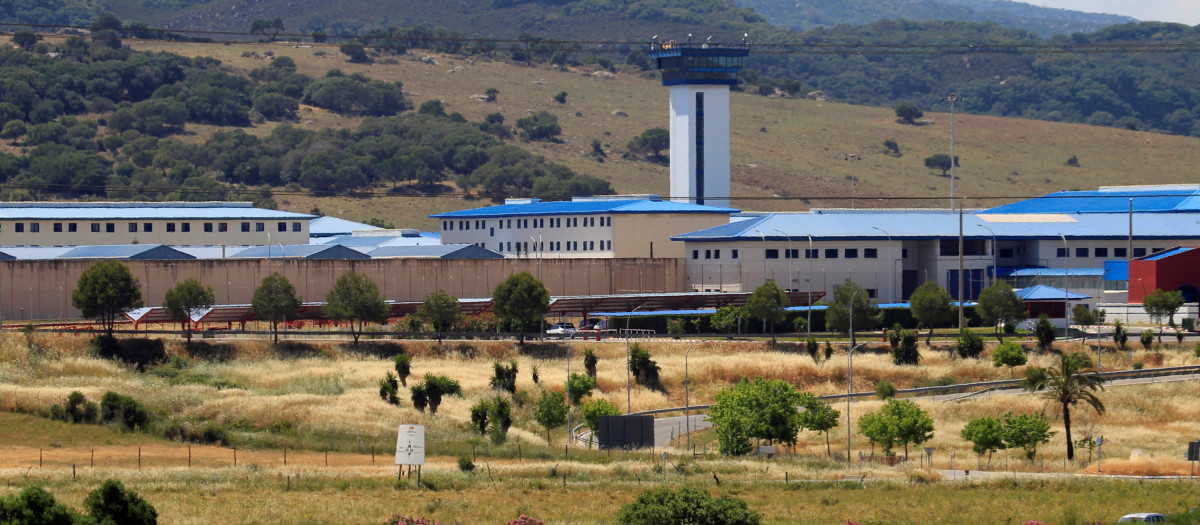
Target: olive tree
441,310
523,300
999,304
768,303
930,305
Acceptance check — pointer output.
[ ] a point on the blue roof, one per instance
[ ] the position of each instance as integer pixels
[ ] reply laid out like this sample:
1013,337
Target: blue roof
1168,253
1116,270
582,207
1146,199
326,226
145,252
441,251
141,211
299,251
1042,292
372,241
1049,272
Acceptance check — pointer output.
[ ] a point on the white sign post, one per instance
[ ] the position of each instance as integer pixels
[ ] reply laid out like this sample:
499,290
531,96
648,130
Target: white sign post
410,449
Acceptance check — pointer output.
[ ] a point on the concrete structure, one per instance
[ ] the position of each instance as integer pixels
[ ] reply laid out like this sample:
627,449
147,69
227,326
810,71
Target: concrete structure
585,227
699,77
173,223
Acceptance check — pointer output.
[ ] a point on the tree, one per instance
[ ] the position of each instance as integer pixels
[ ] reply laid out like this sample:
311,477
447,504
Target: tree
433,388
104,291
1160,304
651,142
1010,355
1027,431
837,316
594,409
275,300
986,435
25,40
522,300
1086,317
441,310
479,416
768,303
643,369
891,147
1044,330
908,112
580,386
940,161
664,506
999,304
907,353
761,409
500,419
355,53
389,389
885,390
1069,384
970,345
111,503
504,377
540,126
727,318
1120,335
589,363
561,97
818,416
186,300
900,421
550,411
273,26
930,305
490,94
403,363
355,298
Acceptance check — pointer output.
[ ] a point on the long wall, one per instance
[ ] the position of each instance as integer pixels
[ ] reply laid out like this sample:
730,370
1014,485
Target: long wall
41,290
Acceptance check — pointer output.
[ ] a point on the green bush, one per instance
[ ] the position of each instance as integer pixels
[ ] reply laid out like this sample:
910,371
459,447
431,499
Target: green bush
1045,332
970,345
907,353
589,362
644,369
1196,351
465,464
77,409
140,352
1148,338
664,506
123,410
111,503
885,390
675,326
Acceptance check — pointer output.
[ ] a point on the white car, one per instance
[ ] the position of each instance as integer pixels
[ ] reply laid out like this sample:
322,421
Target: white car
562,330
1140,517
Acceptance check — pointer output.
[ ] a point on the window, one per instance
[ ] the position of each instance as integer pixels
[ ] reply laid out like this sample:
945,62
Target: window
733,254
872,293
1101,252
1137,252
260,227
1006,253
1120,252
1062,252
133,227
510,225
110,227
58,227
71,227
95,227
222,226
208,227
170,227
831,253
245,226
772,254
870,253
793,253
812,254
185,227
708,254
148,227
499,246
510,246
851,253
1081,252
295,226
20,227
904,253
716,253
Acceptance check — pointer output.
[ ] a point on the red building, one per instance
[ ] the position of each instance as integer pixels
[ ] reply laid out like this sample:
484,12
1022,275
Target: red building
1174,269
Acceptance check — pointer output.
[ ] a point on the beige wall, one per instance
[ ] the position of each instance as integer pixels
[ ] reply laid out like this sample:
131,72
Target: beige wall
636,232
42,289
234,236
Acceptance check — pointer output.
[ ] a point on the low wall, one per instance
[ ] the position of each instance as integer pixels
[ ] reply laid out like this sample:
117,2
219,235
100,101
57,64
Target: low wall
41,290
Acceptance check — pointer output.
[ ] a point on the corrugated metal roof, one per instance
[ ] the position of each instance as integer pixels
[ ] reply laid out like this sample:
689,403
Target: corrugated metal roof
1168,253
328,226
373,241
141,211
1042,292
36,253
299,251
141,252
1049,272
942,224
1146,199
210,252
582,207
440,251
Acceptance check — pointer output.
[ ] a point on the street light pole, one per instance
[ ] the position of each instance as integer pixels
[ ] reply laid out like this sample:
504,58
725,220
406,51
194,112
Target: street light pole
569,391
891,264
952,99
995,265
810,255
687,403
628,373
1066,288
787,256
849,391
764,256
853,158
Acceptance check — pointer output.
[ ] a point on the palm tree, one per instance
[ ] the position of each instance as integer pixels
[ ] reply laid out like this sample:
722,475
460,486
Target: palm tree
1071,382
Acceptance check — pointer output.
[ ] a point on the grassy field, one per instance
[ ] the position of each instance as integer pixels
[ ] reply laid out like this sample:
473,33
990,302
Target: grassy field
788,154
313,442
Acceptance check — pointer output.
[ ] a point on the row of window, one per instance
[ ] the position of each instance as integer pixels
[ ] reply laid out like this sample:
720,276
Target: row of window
148,227
555,246
1119,253
714,254
553,222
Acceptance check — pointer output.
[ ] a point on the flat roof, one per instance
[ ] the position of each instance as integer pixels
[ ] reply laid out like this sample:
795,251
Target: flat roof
100,211
589,206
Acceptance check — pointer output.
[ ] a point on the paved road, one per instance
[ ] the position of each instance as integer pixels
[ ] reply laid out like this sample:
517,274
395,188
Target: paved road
666,429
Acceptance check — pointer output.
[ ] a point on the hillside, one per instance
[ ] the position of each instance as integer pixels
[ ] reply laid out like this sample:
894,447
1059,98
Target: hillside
782,147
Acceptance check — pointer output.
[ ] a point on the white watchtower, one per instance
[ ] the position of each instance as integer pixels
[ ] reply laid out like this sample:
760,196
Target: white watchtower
699,77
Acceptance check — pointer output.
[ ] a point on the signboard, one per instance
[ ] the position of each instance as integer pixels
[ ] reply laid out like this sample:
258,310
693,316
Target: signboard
410,445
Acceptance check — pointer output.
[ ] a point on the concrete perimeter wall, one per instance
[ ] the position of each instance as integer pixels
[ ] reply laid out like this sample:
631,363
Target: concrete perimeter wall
41,290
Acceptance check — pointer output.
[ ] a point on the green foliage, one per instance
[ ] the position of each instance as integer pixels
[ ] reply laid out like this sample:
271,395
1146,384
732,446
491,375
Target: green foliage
986,435
593,409
664,506
355,298
866,312
112,504
1120,335
419,399
539,126
589,363
389,389
930,305
550,411
970,345
1072,382
500,418
907,353
644,369
504,377
1027,431
275,300
123,411
891,147
885,390
818,416
35,506
403,364
104,291
940,161
441,310
908,112
522,300
768,303
479,416
465,464
755,409
1083,316
726,318
1147,338
433,388
580,386
893,337
651,142
1045,332
561,97
186,300
899,422
675,326
76,409
813,349
1010,355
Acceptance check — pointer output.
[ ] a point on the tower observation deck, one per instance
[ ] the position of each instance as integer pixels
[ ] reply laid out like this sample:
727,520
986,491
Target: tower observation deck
699,76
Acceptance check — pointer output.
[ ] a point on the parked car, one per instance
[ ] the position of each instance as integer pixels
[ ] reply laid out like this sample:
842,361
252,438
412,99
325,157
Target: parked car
1147,517
562,330
593,325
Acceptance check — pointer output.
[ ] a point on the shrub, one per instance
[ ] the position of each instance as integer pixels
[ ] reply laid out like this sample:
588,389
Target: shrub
1139,365
389,389
580,386
664,506
499,419
123,410
1120,335
1045,332
1148,338
77,409
140,352
111,503
589,362
504,377
644,369
403,364
675,326
592,410
465,464
479,416
907,354
35,505
970,345
813,348
885,390
894,337
1196,351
